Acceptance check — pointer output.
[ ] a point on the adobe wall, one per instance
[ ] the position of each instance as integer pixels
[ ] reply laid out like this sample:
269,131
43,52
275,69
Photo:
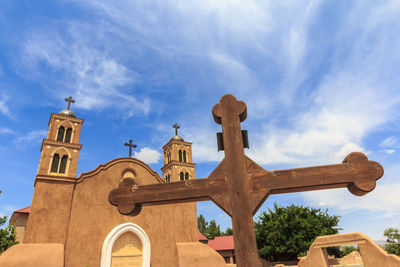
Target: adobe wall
49,215
19,225
93,217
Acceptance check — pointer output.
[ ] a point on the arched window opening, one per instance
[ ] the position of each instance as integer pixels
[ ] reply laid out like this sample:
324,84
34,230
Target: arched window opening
184,156
68,135
60,135
169,177
182,176
187,176
180,155
63,164
54,164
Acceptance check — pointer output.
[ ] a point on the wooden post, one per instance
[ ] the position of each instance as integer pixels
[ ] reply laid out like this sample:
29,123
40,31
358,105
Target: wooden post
239,186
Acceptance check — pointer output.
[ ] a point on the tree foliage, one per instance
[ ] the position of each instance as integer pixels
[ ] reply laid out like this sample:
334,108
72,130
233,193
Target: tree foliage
346,250
228,231
211,229
286,232
393,240
7,235
202,224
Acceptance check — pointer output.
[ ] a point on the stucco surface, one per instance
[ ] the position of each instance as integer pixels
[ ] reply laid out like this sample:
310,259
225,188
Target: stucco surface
33,255
196,254
93,217
372,255
49,216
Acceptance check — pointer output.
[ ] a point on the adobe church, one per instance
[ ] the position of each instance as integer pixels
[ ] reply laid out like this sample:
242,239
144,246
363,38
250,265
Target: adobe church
71,222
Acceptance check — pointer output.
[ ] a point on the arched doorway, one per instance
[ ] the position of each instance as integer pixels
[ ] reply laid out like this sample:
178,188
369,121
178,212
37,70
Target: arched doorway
126,245
127,251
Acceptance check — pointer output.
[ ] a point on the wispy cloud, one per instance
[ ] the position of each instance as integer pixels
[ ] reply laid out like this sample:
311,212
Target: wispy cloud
30,139
148,155
5,130
73,66
389,142
4,106
389,151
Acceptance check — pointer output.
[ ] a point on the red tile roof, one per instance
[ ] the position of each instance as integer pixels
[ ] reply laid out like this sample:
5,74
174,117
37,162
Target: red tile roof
24,210
222,243
202,237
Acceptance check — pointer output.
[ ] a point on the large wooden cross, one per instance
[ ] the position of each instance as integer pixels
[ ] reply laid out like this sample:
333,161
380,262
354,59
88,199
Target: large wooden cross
239,186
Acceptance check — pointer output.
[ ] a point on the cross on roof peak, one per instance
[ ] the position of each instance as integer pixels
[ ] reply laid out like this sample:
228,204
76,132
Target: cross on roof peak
176,126
69,100
130,147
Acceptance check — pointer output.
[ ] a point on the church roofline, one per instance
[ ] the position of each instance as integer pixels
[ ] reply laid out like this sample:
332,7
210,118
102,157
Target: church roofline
177,142
110,163
64,117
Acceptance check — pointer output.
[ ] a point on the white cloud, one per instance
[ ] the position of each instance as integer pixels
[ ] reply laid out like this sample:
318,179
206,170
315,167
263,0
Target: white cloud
148,155
5,130
389,142
389,151
31,138
96,79
384,198
4,109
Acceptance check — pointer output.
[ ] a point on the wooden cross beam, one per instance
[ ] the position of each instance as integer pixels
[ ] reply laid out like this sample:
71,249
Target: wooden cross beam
239,186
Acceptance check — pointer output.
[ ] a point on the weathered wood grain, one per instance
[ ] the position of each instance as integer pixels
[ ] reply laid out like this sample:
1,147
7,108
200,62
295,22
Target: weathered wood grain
239,186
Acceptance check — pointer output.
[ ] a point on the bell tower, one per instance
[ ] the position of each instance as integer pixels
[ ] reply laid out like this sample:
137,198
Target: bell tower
55,179
60,150
178,164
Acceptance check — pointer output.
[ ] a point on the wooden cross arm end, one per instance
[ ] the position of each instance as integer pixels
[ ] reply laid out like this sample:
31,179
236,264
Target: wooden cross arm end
356,172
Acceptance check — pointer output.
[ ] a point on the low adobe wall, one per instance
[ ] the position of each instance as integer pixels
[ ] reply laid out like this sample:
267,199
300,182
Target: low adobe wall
372,254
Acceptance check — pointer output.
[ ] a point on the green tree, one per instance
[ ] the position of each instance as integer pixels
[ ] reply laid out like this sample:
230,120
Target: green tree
393,240
202,224
346,250
213,230
228,231
7,235
286,232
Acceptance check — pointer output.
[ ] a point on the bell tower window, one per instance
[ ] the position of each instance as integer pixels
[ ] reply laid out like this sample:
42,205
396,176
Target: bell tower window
187,176
64,136
54,164
59,166
60,135
63,164
180,155
182,176
68,135
184,155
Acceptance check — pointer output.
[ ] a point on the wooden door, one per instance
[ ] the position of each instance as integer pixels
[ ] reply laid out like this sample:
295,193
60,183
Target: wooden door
127,251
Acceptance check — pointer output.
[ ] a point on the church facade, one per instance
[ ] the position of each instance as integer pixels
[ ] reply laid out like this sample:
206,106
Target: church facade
71,222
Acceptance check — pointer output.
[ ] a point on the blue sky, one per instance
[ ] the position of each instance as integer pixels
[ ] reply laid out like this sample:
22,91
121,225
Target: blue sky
320,79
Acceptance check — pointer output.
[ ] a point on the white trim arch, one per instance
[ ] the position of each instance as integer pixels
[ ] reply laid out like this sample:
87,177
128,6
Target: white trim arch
117,232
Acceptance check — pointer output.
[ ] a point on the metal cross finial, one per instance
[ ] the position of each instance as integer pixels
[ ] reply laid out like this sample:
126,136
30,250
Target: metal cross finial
130,147
69,100
176,126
